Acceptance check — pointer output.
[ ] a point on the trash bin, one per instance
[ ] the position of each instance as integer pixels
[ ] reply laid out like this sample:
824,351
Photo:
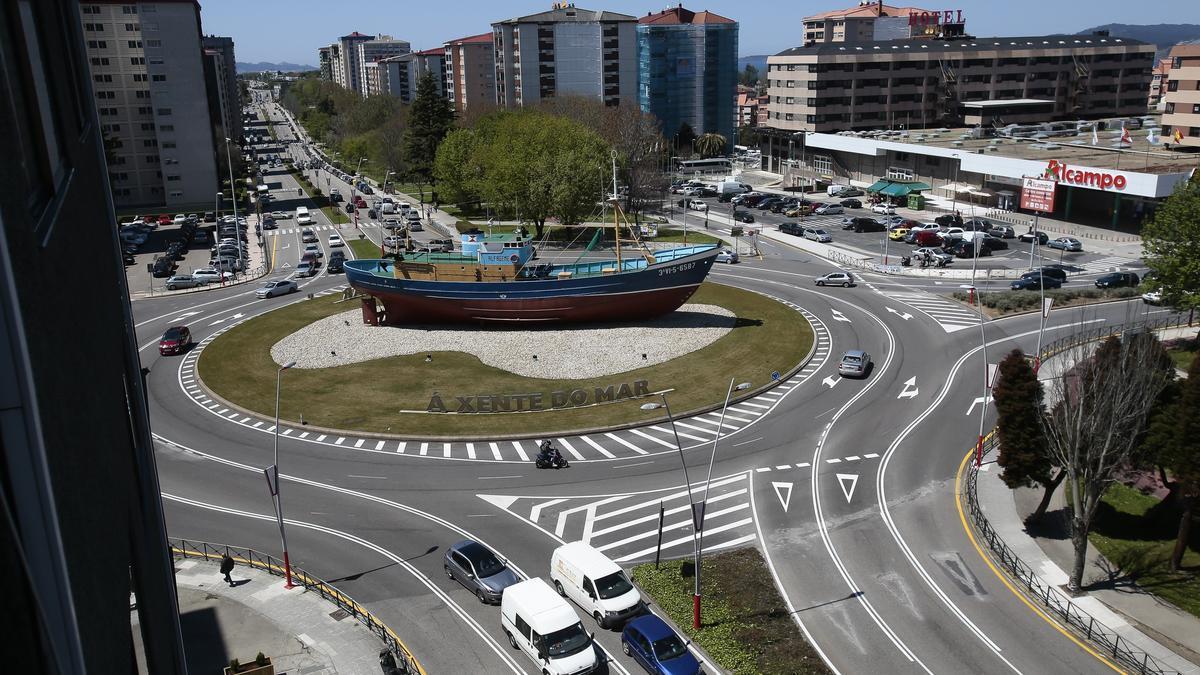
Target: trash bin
916,201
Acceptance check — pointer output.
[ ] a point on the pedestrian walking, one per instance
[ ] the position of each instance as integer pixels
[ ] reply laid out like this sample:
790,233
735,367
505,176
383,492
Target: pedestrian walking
226,568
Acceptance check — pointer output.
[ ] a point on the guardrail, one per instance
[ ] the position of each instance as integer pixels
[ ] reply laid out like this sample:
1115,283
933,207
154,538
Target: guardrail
1100,635
405,661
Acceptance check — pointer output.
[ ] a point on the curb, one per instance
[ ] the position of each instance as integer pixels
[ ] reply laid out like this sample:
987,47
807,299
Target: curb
751,393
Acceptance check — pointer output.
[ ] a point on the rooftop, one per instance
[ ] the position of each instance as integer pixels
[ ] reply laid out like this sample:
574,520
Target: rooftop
1192,49
564,12
436,51
966,44
675,16
1140,156
355,36
482,37
867,9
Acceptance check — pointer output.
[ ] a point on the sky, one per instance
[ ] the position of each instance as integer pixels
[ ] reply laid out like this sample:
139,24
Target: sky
292,30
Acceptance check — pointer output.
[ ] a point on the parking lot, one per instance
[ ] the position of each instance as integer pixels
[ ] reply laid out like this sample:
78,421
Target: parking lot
1017,255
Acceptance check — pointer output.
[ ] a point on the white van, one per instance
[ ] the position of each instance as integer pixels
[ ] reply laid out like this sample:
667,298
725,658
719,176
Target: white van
834,190
543,625
730,187
387,207
302,216
595,583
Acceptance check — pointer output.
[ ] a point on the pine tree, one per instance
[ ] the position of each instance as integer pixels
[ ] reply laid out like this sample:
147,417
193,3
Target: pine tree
1182,456
1023,456
429,120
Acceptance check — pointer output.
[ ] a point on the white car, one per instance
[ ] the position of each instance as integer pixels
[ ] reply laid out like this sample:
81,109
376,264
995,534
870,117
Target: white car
1153,297
208,275
883,208
274,288
335,241
817,234
280,215
313,249
697,205
844,279
829,209
180,218
306,269
393,241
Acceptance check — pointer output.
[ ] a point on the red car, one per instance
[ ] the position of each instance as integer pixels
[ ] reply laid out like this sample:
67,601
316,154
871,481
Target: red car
165,220
360,202
149,219
176,340
929,238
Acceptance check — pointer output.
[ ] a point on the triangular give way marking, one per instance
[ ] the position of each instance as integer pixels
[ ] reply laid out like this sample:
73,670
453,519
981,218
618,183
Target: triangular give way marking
503,501
848,481
784,492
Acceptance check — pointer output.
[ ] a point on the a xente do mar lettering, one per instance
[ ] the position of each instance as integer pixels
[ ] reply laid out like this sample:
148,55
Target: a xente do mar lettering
1101,179
676,268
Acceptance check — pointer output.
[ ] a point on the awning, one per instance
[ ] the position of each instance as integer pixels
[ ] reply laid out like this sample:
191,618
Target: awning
879,185
903,189
956,187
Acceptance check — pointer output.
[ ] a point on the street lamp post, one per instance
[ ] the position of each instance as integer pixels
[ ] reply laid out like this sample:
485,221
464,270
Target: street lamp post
354,188
217,205
233,195
287,562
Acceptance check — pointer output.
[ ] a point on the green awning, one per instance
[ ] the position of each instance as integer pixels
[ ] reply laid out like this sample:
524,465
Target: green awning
903,189
878,186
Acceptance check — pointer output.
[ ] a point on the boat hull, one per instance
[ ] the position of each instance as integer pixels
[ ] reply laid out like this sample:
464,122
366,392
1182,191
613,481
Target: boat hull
627,296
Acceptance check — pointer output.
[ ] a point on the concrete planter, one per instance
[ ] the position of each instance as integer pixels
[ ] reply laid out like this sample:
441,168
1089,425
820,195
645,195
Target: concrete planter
252,668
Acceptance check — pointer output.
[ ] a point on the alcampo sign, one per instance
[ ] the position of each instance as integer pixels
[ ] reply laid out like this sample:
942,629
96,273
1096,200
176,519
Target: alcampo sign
567,398
1085,177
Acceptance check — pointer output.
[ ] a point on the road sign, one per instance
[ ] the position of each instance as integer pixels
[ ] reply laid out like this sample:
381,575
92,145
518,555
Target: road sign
272,474
784,492
1037,194
775,375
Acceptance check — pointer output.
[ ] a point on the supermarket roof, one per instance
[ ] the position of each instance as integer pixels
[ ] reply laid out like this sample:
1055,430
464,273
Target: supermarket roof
964,44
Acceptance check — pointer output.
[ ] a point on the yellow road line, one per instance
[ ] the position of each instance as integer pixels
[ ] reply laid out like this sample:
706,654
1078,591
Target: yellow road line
1003,579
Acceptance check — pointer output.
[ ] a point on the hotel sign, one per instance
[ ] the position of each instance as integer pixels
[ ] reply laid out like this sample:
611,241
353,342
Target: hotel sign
1085,177
942,17
1037,194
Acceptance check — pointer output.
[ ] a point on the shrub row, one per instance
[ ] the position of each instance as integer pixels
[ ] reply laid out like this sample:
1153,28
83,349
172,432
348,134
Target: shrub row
1016,301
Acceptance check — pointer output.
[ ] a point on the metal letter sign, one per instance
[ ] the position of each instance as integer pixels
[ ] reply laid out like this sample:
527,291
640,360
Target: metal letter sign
1037,194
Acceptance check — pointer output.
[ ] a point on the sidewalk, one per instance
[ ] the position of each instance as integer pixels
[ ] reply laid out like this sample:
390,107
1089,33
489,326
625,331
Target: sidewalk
293,627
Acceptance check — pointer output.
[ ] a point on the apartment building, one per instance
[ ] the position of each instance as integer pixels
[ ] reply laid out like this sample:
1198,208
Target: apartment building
433,61
226,83
370,51
920,82
566,51
870,21
346,66
400,74
1159,81
748,108
470,71
1181,116
687,70
324,63
146,65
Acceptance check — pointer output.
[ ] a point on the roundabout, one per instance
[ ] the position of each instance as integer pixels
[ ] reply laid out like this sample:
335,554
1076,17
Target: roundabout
457,383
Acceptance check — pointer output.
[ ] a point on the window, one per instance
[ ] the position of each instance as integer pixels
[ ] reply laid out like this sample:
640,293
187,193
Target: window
176,193
522,627
788,116
791,84
143,94
144,110
168,145
156,62
1194,132
147,126
135,44
132,27
1173,85
163,111
132,9
97,44
1195,108
93,27
89,9
172,179
137,61
167,127
150,143
899,173
822,164
159,78
153,43
139,77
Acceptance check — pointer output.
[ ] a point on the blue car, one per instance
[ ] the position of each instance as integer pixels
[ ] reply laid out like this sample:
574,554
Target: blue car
652,643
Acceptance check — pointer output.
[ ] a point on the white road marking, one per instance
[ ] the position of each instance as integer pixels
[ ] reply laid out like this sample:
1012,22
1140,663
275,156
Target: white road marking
536,511
599,448
784,492
627,444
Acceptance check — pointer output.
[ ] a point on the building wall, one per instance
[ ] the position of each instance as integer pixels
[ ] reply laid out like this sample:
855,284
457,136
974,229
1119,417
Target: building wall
78,482
688,73
435,65
470,74
323,61
1182,111
369,51
227,78
872,86
348,49
148,74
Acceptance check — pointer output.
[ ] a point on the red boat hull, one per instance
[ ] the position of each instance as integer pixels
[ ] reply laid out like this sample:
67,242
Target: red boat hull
405,309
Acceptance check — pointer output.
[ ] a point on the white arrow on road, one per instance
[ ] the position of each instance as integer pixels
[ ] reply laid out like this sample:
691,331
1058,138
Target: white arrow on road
183,316
910,388
830,381
848,481
979,399
906,316
228,318
838,316
784,492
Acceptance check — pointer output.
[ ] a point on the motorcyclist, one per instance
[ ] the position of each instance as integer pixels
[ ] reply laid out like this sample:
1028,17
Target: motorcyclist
549,452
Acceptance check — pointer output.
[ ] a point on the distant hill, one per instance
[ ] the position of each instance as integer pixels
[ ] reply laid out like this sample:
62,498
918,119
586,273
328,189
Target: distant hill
759,62
1163,35
263,65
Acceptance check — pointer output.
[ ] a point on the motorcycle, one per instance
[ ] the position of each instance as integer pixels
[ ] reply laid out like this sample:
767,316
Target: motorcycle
549,457
906,261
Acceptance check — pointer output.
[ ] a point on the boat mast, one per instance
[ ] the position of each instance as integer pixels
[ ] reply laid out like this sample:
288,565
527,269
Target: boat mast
616,210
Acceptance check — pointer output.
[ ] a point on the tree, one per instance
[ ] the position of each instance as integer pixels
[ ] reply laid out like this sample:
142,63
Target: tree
1023,456
1097,421
746,135
1172,245
1175,439
710,145
430,119
749,76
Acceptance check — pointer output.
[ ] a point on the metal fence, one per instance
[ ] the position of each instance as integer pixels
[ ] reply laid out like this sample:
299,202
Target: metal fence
1103,637
405,661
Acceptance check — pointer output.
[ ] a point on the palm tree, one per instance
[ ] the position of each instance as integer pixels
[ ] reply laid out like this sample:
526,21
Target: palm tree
710,145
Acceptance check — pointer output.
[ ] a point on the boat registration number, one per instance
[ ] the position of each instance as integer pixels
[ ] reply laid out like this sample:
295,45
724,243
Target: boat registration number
676,268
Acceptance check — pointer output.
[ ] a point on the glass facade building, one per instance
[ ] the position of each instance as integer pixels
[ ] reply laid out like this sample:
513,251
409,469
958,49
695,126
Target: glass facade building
687,70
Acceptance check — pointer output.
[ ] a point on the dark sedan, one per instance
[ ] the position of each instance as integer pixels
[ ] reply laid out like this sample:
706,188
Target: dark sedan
1033,282
743,217
1118,280
1041,237
851,203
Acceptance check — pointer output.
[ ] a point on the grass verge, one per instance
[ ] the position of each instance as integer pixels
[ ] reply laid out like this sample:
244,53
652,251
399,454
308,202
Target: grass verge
999,303
368,396
363,248
745,624
1136,534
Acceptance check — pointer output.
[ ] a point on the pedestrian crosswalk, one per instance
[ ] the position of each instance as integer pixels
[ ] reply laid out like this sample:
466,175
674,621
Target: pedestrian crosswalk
642,442
314,228
1109,264
948,314
625,527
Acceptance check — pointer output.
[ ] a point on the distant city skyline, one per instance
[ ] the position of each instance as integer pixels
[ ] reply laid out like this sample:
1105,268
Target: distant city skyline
281,31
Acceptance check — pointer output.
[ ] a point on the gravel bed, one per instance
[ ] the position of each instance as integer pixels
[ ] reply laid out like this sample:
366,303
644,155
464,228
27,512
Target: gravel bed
571,352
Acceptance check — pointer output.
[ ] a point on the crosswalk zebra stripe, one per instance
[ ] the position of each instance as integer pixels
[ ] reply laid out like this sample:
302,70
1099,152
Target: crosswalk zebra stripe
570,448
652,438
627,444
684,434
599,448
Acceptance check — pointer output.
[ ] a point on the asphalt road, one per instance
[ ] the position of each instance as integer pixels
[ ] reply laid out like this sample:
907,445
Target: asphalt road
846,485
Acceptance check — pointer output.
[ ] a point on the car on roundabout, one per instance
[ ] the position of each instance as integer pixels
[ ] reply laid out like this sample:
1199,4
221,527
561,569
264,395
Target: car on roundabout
726,256
1029,237
274,288
843,279
650,642
1069,244
479,570
1034,282
175,340
1118,280
854,363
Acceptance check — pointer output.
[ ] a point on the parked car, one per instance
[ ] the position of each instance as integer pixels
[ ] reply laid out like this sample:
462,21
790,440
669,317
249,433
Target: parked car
966,249
797,211
861,225
791,228
1118,280
442,245
726,256
898,233
650,642
851,203
184,281
829,209
766,204
1003,231
843,279
852,192
854,363
1033,282
976,225
883,208
274,288
175,340
163,267
697,205
928,238
1041,237
992,243
1070,244
208,275
817,234
478,569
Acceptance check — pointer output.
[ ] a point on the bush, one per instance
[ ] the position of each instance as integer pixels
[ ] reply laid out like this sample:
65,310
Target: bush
1017,301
